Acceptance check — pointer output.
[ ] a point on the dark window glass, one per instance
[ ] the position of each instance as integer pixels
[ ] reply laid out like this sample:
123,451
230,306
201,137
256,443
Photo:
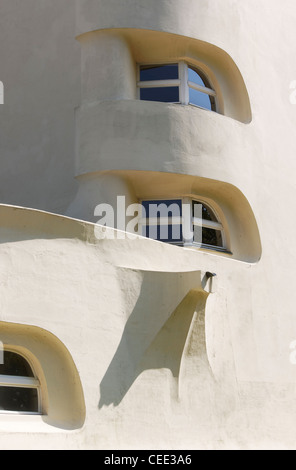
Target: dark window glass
211,237
164,233
159,72
163,94
162,208
14,364
207,213
165,209
18,399
207,236
204,235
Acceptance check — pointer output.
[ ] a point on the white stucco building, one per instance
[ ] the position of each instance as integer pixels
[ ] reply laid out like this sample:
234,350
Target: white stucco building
163,340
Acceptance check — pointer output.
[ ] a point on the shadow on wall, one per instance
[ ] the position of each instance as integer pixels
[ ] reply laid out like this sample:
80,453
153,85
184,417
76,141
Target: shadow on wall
157,332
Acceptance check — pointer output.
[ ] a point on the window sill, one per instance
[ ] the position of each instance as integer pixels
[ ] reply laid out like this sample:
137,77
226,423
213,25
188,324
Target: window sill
207,249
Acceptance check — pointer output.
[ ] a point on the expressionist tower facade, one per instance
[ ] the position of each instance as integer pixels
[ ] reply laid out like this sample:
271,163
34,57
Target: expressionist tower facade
147,229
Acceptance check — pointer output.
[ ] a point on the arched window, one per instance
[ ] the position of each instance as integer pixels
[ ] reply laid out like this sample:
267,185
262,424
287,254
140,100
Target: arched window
176,83
200,91
207,230
19,387
184,222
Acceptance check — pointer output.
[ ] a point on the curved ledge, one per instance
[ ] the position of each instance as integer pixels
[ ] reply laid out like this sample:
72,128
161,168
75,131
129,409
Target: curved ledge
27,224
150,136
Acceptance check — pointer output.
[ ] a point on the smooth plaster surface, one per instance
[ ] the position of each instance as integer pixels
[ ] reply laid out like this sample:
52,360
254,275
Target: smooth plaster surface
206,361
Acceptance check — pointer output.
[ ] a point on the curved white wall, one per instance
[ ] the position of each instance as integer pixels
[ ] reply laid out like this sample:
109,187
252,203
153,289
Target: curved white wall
108,69
233,383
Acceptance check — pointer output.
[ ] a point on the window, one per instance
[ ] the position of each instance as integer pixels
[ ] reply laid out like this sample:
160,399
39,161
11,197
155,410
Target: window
176,83
200,92
161,220
184,222
207,230
160,83
19,388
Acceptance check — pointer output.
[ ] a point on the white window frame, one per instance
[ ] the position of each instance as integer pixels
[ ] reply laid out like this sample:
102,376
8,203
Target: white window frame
22,382
195,221
182,82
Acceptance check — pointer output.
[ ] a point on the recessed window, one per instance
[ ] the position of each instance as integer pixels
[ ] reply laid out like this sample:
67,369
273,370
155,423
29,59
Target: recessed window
207,230
200,92
182,222
19,387
176,83
160,83
161,220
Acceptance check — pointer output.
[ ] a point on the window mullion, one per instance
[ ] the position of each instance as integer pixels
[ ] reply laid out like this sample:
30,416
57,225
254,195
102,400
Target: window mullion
203,89
183,75
187,224
158,83
18,381
137,83
207,223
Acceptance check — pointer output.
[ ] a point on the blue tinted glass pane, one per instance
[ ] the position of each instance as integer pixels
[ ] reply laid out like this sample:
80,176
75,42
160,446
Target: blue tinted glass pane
162,208
164,94
200,99
164,233
159,72
194,77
